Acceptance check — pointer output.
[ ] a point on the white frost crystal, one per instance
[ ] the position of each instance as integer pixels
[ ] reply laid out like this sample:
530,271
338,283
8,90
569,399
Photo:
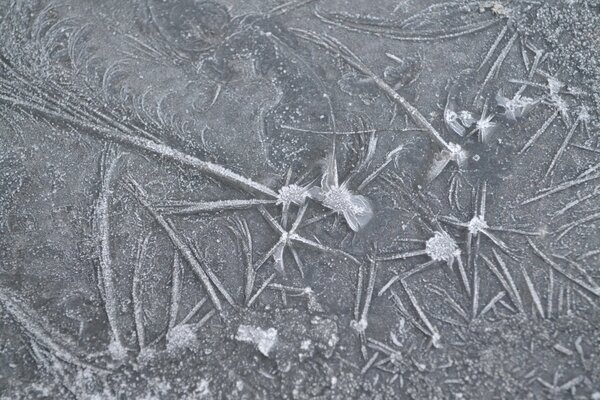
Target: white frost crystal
476,225
457,153
264,340
292,194
442,247
355,208
516,107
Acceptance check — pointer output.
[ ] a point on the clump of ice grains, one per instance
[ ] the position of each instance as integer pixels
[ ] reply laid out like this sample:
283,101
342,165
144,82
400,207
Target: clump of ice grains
264,340
442,247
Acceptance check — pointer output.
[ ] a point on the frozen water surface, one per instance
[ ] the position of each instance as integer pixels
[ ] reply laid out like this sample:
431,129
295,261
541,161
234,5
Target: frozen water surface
299,199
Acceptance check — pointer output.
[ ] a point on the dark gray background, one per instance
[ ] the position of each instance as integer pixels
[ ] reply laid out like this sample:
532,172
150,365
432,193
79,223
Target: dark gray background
224,82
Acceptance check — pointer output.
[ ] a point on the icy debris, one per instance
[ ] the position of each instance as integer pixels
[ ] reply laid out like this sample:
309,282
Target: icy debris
181,337
453,152
457,153
292,194
466,118
322,337
476,225
325,335
442,247
360,325
356,209
451,119
516,107
459,122
264,340
561,104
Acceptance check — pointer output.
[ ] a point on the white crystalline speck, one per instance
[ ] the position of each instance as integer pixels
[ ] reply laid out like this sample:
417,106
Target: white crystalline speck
516,107
264,340
340,199
450,116
554,85
476,225
356,209
466,118
451,119
292,194
441,247
457,153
